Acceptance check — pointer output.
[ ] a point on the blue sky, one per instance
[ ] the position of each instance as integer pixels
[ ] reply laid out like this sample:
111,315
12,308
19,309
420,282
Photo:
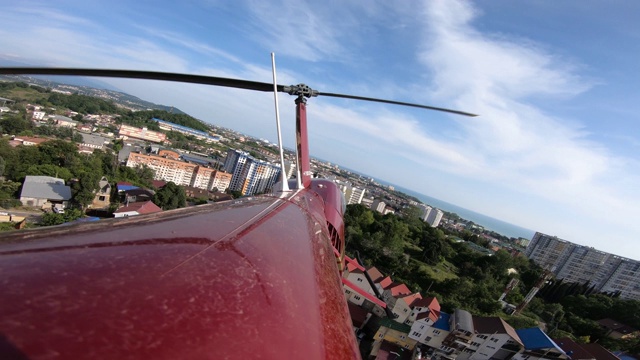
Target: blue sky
556,84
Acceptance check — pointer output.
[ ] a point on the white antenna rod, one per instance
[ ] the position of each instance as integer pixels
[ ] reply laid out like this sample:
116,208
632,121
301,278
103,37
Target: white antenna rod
283,176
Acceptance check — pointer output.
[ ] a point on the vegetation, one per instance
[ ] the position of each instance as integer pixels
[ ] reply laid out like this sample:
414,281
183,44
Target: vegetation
170,197
427,261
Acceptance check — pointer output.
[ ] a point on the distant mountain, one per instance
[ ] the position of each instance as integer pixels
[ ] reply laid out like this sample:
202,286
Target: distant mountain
97,90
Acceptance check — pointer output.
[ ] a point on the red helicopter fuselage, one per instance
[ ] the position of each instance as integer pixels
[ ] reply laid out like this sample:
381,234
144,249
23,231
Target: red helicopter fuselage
254,277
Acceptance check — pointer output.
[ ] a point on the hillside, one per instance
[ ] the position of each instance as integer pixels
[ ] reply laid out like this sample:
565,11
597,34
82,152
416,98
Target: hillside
120,98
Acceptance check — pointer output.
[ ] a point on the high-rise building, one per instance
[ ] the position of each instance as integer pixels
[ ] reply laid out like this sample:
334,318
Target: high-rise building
220,180
180,172
434,217
576,263
425,210
352,194
249,175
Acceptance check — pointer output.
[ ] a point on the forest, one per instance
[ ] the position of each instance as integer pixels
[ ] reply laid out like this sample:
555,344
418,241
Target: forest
83,104
428,261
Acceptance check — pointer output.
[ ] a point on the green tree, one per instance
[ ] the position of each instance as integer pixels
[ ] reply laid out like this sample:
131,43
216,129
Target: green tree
171,196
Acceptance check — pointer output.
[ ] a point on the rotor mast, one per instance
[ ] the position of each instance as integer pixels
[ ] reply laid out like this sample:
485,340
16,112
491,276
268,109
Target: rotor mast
303,165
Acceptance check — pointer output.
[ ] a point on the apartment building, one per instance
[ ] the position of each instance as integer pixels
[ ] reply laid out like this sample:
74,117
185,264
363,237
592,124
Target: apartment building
249,175
577,263
180,172
127,131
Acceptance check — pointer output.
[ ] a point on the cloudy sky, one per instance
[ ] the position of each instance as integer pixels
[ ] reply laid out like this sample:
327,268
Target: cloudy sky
555,148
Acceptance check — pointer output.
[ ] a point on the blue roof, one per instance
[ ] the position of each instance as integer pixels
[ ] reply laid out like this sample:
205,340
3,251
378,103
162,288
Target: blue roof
126,187
186,129
535,339
443,322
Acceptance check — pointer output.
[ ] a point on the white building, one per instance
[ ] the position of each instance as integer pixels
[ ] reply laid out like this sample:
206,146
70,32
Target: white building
425,210
378,206
38,115
434,217
249,175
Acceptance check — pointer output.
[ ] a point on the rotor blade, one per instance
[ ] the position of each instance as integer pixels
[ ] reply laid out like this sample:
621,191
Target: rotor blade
149,75
195,79
396,103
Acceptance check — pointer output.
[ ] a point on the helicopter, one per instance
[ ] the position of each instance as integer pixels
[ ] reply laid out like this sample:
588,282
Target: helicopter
258,276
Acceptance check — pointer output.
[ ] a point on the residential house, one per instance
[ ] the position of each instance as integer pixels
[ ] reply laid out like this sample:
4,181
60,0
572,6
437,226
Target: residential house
395,333
194,192
359,316
599,352
573,349
493,339
29,141
123,186
618,330
64,121
136,195
431,334
426,310
388,351
461,331
357,294
103,195
93,141
140,208
45,192
537,345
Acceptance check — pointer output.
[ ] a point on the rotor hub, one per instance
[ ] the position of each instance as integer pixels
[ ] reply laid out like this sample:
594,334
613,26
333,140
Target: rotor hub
301,90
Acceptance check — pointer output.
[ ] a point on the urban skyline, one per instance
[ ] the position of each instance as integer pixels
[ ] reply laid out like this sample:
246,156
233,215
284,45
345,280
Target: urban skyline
554,143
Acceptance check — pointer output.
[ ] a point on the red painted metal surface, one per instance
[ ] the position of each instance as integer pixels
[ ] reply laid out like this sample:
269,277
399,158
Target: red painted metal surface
256,278
303,141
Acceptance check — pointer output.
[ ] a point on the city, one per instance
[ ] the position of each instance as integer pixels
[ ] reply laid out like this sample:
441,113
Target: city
221,164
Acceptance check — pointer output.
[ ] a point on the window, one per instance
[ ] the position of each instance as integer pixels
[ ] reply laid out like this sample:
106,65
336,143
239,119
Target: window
357,297
102,198
421,327
347,292
360,279
428,339
402,337
437,332
405,310
415,333
406,346
482,336
494,340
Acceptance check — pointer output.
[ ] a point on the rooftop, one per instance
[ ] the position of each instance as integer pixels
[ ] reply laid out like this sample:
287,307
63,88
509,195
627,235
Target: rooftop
141,208
536,339
45,187
443,322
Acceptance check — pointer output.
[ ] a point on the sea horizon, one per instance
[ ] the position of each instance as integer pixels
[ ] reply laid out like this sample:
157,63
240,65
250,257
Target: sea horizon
499,226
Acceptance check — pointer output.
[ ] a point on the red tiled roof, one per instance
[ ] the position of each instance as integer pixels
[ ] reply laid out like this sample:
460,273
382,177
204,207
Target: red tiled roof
384,282
430,302
433,315
360,291
375,274
599,352
353,265
147,207
158,184
573,349
398,289
410,299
